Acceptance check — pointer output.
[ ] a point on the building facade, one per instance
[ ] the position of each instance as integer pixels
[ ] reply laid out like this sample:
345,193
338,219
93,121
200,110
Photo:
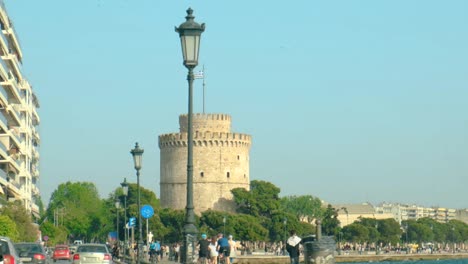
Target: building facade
220,163
19,121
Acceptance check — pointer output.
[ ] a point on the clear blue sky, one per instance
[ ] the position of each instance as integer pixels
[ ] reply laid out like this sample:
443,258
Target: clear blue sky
349,101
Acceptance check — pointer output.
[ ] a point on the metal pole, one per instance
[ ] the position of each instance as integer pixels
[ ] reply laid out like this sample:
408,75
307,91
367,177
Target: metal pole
140,238
190,230
147,241
117,210
125,226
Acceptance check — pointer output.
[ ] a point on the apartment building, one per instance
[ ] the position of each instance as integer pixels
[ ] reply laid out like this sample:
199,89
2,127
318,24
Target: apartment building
403,212
19,121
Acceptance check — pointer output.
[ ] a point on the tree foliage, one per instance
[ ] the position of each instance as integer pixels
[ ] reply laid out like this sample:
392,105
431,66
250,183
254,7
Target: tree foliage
80,210
330,222
261,201
8,228
305,207
25,229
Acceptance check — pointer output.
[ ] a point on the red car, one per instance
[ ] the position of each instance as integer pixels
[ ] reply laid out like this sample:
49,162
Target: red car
61,252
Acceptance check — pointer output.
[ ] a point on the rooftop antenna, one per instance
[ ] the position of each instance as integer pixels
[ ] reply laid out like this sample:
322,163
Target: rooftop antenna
201,75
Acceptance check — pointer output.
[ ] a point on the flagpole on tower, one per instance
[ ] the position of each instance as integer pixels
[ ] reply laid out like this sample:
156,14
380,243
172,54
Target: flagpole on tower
201,75
203,88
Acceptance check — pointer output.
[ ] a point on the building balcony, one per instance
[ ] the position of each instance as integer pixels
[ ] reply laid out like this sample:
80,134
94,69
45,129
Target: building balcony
13,63
11,87
10,32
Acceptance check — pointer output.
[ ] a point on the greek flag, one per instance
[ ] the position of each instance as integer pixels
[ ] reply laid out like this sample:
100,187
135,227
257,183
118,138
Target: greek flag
199,75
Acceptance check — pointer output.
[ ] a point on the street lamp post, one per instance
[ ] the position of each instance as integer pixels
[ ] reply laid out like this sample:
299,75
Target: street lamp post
285,222
190,33
117,207
137,154
124,185
224,226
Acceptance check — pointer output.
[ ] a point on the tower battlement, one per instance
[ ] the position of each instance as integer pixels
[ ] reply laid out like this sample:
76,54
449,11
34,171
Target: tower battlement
206,122
206,139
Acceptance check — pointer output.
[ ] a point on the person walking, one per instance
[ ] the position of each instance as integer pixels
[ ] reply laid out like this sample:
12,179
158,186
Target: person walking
203,250
233,249
292,246
213,251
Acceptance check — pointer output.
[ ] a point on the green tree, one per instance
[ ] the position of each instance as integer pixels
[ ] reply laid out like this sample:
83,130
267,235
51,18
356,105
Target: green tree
261,200
27,231
57,235
356,232
330,222
80,211
241,226
389,230
303,207
174,221
8,228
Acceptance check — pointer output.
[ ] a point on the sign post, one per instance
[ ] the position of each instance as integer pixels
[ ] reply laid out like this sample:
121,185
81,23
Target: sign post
146,212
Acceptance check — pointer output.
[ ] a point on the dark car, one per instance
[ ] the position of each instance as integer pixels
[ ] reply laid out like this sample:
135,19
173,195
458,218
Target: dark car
8,252
31,253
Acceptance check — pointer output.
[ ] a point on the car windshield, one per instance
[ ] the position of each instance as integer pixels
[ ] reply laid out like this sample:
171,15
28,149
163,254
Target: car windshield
61,248
95,249
22,248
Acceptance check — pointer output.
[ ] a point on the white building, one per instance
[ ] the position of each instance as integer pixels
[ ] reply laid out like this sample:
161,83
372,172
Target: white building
19,120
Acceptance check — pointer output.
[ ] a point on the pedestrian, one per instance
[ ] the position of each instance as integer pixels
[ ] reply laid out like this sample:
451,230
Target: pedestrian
292,246
213,251
203,249
233,249
223,247
176,252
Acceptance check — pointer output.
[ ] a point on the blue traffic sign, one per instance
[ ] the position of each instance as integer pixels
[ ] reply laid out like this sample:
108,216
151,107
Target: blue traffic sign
132,221
147,211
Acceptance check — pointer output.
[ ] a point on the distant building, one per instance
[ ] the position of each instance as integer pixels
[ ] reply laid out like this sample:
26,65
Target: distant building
402,212
350,213
19,120
220,159
462,215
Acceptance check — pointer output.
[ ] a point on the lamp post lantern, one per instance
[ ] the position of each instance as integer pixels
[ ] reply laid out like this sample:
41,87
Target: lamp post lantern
137,154
189,33
124,185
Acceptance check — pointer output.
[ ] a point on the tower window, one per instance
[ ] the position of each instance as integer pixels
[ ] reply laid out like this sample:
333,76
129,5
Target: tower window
228,174
202,174
238,157
244,176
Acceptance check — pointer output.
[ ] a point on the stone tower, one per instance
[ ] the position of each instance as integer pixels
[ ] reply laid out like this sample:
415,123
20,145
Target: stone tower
220,163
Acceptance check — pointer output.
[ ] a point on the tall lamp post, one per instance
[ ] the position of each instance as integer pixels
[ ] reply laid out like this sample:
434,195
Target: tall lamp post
190,33
117,207
124,185
285,222
137,154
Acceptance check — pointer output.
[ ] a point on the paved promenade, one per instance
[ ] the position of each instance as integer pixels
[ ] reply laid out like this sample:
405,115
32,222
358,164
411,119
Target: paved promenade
272,259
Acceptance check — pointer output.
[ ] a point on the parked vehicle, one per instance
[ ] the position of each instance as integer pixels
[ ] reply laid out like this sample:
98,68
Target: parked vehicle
61,252
92,254
8,254
72,249
31,253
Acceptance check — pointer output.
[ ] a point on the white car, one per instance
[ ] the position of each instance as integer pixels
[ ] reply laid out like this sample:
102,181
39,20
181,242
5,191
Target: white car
92,254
